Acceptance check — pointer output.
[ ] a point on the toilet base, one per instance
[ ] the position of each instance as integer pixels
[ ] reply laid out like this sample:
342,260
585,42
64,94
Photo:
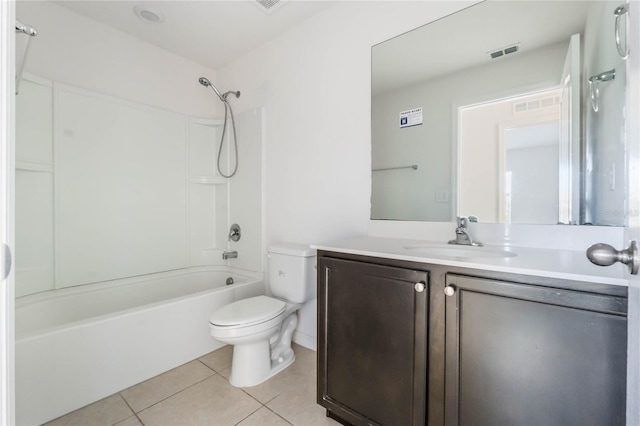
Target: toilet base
255,362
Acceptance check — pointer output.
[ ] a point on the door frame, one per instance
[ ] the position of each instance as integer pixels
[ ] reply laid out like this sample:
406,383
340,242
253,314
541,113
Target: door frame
7,133
632,232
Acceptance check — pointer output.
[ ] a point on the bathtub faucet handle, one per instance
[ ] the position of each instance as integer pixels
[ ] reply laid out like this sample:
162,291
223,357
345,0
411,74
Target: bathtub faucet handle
234,232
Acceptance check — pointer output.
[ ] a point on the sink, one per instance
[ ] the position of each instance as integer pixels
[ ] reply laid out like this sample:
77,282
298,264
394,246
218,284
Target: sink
460,251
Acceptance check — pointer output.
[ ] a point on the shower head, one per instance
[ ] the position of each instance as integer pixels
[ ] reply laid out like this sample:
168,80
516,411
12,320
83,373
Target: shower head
205,82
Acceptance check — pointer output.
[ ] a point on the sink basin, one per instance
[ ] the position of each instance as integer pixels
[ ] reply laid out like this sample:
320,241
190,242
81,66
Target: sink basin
459,251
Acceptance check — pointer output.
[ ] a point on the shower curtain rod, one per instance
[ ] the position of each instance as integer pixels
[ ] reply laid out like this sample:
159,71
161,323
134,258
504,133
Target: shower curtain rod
25,29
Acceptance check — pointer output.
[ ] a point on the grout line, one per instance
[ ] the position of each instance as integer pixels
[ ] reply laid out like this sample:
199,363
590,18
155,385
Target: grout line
139,419
209,367
253,397
176,393
251,414
283,418
265,404
130,408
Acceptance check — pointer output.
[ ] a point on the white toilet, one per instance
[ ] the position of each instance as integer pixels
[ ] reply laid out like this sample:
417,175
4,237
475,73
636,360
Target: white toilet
260,328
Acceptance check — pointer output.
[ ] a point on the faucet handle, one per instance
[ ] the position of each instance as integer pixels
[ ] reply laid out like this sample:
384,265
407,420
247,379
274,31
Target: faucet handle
462,222
234,232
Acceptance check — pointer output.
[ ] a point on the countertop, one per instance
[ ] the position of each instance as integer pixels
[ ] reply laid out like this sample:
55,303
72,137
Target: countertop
561,264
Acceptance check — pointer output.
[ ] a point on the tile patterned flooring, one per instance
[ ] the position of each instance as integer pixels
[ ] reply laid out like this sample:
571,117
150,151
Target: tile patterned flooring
199,393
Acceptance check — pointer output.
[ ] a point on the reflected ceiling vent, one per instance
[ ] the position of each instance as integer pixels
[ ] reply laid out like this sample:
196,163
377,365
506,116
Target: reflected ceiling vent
539,103
513,48
269,6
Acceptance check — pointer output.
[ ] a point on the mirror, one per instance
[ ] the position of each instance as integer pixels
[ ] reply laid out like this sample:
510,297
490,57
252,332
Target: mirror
488,112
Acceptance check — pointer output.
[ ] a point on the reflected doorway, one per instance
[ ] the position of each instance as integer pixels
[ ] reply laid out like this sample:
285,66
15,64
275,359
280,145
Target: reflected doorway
509,159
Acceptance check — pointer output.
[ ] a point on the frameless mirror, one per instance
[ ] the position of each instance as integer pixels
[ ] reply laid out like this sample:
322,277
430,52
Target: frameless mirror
510,111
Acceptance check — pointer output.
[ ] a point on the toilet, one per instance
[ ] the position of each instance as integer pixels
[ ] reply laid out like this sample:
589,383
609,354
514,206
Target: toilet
260,328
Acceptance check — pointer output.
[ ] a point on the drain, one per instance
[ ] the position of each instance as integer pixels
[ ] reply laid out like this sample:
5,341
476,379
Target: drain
229,281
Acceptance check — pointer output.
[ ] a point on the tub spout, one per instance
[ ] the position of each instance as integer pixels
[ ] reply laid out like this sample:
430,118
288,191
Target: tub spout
229,255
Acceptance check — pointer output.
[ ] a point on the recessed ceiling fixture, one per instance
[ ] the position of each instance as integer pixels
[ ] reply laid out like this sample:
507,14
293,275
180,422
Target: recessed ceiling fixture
148,14
268,6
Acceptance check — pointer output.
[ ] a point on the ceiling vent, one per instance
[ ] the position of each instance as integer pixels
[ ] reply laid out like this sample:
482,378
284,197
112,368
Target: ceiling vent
269,6
543,102
513,48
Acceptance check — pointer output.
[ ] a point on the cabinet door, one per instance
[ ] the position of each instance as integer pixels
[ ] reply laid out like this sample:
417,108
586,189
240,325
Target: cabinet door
528,355
372,343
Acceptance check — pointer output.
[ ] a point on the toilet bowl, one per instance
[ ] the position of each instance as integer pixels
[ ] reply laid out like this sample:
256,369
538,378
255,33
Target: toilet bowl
261,328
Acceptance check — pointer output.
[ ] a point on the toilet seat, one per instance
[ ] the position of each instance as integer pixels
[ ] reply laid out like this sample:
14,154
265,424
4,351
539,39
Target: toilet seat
247,312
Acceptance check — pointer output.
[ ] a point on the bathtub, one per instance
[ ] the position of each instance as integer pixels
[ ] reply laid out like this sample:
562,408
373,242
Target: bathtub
77,345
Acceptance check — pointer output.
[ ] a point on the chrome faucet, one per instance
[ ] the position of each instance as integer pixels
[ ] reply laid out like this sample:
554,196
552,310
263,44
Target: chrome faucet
463,237
229,255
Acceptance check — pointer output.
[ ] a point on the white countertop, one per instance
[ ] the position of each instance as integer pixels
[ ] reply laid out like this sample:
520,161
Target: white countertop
562,264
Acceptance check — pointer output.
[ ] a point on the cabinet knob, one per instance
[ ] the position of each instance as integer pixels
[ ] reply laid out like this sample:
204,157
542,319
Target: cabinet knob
419,287
449,290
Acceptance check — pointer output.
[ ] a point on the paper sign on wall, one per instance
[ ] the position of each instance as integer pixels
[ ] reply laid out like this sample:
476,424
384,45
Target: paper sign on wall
412,117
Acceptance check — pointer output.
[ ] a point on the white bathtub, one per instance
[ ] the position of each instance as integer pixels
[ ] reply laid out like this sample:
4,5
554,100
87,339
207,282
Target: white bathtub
78,345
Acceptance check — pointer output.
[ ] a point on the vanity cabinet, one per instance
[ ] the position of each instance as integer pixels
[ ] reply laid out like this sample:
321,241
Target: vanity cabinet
372,342
532,355
474,347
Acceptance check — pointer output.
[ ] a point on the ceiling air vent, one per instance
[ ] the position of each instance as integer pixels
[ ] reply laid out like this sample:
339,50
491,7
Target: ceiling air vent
539,103
513,48
268,6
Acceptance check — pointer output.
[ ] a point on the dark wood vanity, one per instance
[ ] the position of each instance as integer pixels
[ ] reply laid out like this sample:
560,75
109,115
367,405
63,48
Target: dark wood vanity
496,349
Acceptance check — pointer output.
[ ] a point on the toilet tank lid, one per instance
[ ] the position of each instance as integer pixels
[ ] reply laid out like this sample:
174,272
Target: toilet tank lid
292,249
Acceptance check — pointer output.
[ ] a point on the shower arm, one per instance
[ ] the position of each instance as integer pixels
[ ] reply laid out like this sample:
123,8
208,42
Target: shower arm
236,93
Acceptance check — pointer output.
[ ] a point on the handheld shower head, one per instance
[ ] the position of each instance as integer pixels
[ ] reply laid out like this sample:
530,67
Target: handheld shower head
227,110
205,82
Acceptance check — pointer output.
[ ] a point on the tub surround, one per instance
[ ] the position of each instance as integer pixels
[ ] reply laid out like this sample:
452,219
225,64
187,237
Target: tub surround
549,263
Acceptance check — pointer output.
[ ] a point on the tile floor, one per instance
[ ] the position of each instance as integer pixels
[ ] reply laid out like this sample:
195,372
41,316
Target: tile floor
199,393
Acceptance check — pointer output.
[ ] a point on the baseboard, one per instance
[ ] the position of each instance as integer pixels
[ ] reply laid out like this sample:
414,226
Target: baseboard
305,340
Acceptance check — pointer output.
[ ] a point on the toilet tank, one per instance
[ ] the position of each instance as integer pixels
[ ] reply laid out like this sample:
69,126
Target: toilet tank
292,271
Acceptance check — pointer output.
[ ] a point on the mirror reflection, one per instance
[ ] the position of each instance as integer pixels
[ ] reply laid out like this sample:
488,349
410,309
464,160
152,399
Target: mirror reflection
489,112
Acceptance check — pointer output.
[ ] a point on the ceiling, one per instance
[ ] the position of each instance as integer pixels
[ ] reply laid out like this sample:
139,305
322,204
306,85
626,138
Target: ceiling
213,33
